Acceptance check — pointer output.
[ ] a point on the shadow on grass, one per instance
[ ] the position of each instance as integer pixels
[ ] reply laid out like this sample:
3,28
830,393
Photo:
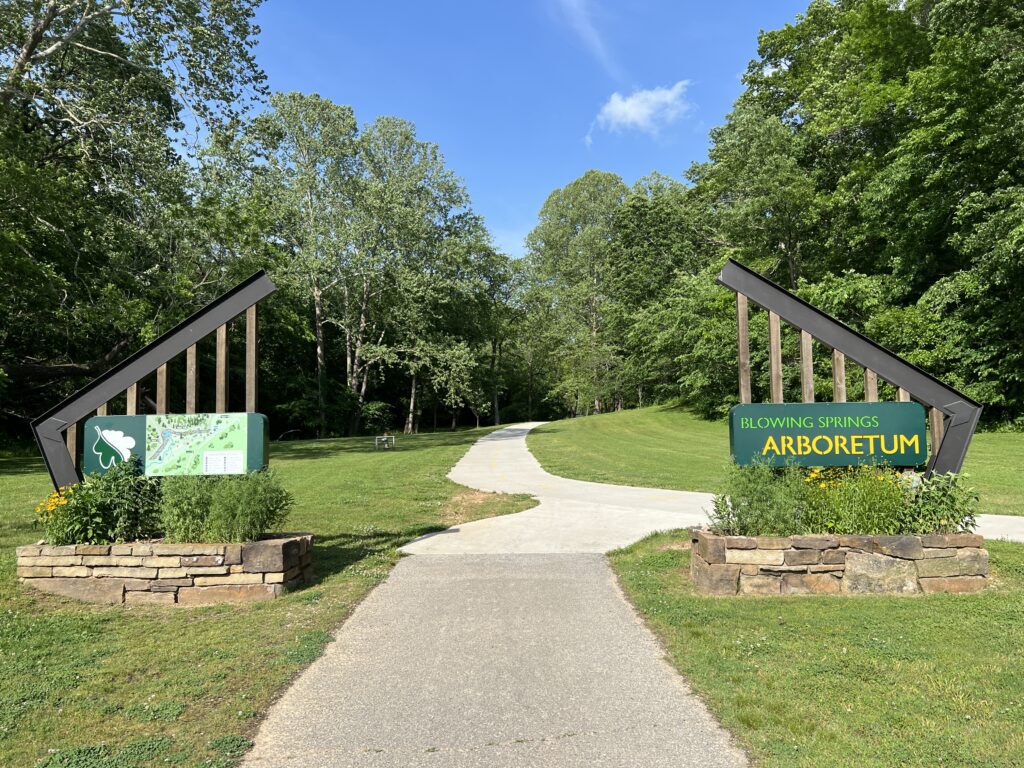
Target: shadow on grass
340,552
20,465
313,449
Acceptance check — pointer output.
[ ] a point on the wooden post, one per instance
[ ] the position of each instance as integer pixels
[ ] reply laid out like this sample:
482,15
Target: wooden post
838,376
191,379
744,345
161,389
71,436
807,366
222,369
870,386
250,359
132,397
775,356
902,395
102,410
936,427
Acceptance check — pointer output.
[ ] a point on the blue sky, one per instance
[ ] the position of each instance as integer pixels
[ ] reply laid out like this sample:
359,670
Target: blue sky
523,97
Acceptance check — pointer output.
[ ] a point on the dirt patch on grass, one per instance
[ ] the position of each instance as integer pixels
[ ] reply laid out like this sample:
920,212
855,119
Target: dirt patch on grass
469,505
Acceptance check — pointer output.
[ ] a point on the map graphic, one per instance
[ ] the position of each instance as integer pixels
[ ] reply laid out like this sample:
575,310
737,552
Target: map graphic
196,444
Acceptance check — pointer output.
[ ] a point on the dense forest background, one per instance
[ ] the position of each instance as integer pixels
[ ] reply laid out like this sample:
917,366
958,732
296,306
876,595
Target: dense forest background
873,164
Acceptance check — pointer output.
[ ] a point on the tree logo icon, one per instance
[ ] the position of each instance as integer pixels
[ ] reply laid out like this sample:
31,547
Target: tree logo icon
112,446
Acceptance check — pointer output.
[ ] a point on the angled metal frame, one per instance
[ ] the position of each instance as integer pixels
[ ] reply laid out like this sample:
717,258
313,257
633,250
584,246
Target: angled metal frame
960,413
49,428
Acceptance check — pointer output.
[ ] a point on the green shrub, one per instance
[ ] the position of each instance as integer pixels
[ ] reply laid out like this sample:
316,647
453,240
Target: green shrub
185,507
872,500
121,505
229,508
760,501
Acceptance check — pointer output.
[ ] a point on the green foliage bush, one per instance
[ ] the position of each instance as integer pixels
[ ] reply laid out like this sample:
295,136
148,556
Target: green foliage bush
121,505
230,508
873,500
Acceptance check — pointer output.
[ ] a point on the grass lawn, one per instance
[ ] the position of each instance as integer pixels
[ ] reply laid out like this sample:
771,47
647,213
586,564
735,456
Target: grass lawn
667,447
141,687
839,681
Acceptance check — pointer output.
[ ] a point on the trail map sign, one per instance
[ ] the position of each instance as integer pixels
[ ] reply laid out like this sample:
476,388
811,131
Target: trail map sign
828,434
178,444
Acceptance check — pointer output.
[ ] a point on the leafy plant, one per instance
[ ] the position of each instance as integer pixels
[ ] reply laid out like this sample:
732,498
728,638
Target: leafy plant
121,505
230,508
761,501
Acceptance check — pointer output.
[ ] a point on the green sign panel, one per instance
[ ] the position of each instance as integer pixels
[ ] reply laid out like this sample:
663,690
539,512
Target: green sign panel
828,434
178,444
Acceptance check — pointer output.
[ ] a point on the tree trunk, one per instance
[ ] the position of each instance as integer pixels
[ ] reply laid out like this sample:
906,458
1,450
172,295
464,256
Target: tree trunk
409,418
321,360
495,352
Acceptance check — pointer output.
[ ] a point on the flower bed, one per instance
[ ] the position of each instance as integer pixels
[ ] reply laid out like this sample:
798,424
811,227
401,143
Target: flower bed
159,573
834,564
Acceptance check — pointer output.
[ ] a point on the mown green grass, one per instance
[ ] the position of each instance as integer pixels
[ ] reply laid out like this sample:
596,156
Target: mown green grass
846,681
668,447
140,687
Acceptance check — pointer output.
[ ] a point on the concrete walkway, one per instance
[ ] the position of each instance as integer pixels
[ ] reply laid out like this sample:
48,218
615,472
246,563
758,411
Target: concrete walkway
504,643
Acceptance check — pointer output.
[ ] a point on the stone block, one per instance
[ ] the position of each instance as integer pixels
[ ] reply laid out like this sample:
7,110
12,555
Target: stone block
905,547
810,583
188,549
836,568
772,542
91,590
278,578
149,598
92,549
34,571
201,560
953,584
929,552
802,556
62,551
231,578
856,542
51,560
169,585
235,568
870,573
938,566
228,593
973,561
122,560
29,550
712,579
270,555
125,573
755,556
137,585
760,585
306,558
120,549
750,570
72,571
162,561
142,550
833,556
206,570
783,569
739,542
710,547
814,542
172,573
946,540
308,575
233,554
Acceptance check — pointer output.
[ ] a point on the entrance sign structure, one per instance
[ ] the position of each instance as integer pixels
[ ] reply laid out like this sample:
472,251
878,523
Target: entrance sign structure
56,431
952,415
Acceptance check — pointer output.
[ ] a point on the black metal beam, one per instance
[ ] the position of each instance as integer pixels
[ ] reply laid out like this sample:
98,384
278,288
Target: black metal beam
49,428
961,412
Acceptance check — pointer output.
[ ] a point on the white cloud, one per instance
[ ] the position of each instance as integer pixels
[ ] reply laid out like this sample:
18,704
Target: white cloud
647,110
579,15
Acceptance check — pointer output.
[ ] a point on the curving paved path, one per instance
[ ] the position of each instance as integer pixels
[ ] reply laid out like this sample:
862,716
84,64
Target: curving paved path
504,643
572,516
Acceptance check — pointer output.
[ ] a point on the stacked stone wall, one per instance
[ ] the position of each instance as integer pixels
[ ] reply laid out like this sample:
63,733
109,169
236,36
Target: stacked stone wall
158,573
765,565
